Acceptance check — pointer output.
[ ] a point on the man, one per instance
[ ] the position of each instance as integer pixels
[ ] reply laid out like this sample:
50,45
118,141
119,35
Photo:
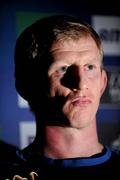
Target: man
59,71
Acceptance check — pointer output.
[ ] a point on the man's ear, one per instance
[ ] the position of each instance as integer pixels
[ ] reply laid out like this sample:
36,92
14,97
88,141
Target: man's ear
104,80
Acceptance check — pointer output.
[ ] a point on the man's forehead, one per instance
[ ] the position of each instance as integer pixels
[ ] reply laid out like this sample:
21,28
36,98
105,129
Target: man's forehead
81,43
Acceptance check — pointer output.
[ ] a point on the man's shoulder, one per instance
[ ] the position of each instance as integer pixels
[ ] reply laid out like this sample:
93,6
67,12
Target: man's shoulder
115,157
115,152
15,169
12,164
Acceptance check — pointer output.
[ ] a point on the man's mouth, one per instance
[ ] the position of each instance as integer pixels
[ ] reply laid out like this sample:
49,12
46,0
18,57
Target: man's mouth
80,101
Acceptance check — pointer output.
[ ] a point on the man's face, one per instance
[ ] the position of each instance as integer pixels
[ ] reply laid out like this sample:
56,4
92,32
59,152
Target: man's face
75,75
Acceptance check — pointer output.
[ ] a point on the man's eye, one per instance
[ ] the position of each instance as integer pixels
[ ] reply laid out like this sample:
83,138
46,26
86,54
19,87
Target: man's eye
63,69
90,67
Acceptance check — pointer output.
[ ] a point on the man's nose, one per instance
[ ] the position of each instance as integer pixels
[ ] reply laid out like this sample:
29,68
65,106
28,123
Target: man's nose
74,78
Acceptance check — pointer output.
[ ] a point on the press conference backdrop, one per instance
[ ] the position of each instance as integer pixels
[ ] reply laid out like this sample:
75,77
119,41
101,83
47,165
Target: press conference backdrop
17,124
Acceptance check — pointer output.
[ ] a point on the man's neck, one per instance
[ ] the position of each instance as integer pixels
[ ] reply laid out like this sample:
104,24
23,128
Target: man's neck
64,142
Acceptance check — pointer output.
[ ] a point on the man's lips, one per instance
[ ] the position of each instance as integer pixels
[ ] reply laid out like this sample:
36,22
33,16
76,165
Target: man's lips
81,101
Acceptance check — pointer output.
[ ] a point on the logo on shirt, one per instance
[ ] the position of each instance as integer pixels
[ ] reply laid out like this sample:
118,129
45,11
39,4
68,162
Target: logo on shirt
32,176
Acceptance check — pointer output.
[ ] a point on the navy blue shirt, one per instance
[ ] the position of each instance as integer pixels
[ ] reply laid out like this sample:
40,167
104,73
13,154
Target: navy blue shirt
32,166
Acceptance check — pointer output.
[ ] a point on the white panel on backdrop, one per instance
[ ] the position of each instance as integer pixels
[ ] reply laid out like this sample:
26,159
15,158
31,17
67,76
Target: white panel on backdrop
22,103
108,27
27,133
